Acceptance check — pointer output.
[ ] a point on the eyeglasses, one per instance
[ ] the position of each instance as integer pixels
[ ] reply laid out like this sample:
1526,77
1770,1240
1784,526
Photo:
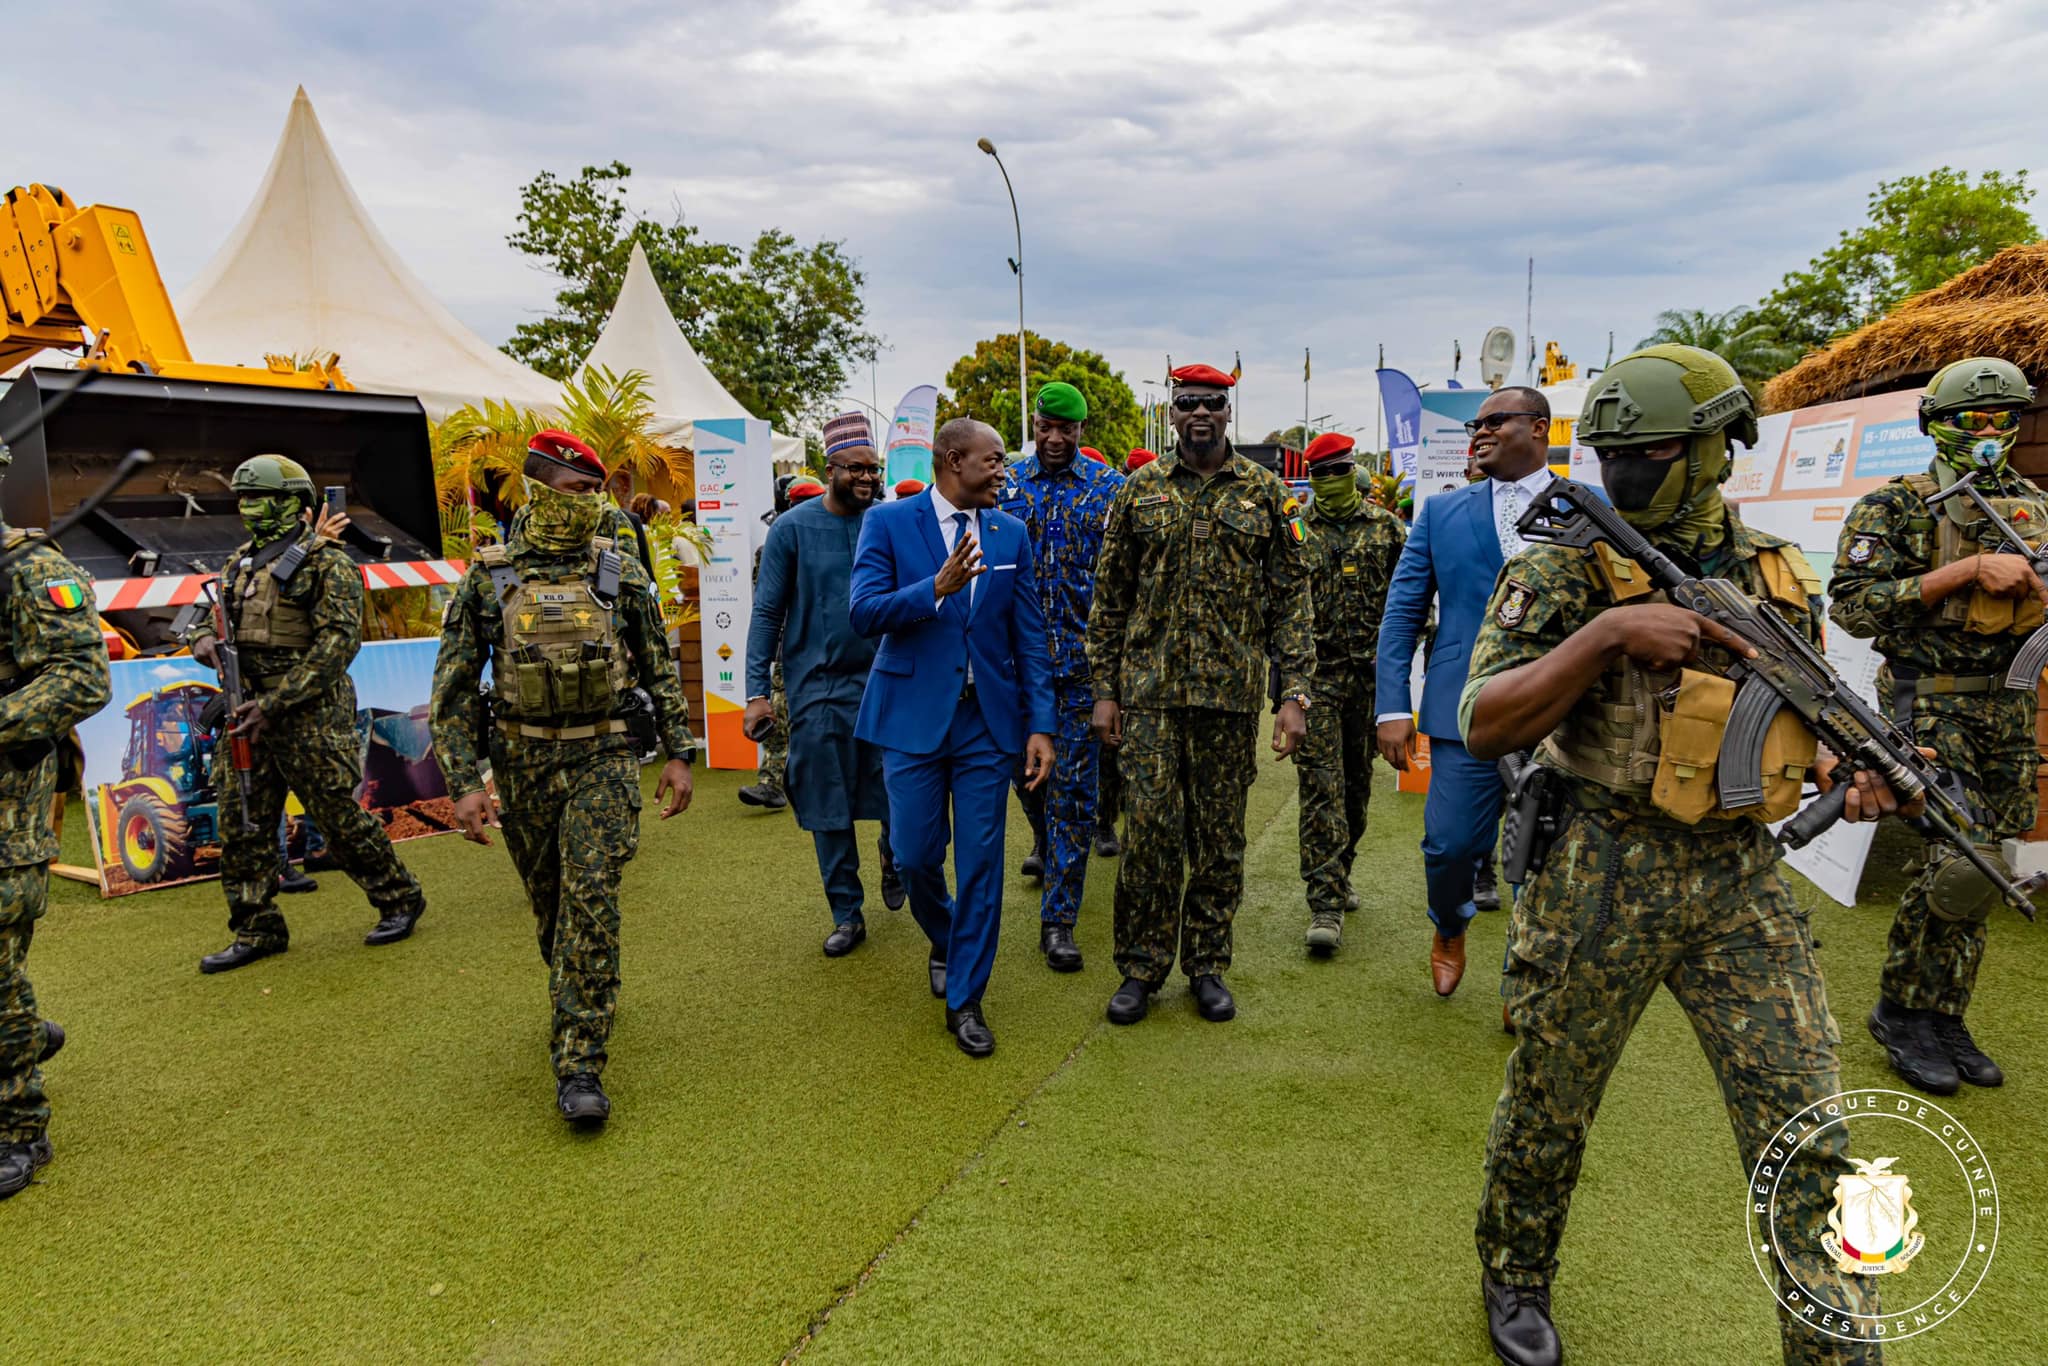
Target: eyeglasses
861,471
1194,403
1977,419
1493,422
1324,469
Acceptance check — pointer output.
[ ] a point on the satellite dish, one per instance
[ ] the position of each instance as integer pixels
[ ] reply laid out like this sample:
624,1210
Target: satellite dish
1496,356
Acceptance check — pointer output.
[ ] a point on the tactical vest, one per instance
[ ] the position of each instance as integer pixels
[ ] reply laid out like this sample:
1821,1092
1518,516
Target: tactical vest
1654,736
263,614
560,654
1955,529
10,671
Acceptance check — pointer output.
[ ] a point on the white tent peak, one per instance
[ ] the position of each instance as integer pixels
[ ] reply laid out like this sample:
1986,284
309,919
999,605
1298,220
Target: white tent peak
306,270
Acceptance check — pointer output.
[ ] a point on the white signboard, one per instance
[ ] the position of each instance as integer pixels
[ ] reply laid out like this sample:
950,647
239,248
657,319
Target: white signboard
734,489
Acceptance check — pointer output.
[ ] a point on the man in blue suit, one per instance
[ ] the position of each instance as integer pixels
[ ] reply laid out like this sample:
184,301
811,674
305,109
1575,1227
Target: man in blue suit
960,686
1454,553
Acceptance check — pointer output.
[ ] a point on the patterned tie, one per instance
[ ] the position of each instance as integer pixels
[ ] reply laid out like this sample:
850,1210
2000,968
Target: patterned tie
959,530
1507,503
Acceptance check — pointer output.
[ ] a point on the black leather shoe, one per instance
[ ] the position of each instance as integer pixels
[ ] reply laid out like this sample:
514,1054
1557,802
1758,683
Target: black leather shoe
936,968
1916,1055
970,1031
1034,863
53,1041
762,795
893,895
1518,1318
1107,845
294,879
19,1163
1056,942
1972,1065
582,1100
844,939
1131,1001
1212,998
394,927
239,955
1485,891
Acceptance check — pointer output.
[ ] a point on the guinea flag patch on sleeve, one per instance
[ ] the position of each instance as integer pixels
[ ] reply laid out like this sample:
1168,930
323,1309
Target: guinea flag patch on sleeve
1297,530
68,594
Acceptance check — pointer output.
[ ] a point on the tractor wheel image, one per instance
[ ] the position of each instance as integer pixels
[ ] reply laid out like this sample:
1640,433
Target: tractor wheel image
155,843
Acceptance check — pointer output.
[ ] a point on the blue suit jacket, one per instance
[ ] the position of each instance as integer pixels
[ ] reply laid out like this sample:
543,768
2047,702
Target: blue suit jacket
915,683
1453,553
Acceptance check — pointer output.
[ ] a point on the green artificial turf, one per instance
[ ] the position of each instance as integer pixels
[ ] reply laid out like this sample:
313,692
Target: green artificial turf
352,1154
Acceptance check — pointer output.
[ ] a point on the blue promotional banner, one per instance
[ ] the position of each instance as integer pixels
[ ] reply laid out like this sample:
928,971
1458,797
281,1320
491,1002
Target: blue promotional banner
1403,403
1890,449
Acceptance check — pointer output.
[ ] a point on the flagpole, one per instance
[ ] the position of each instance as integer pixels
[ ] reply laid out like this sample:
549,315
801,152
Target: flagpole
1378,422
1304,398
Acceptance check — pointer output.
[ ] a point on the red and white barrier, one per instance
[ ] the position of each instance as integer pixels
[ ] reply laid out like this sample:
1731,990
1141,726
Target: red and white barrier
175,590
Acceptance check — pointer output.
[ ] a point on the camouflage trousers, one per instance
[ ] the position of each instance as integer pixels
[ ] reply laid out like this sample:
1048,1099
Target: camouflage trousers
775,744
1333,773
24,1113
1931,963
1186,771
1621,906
571,815
1069,796
314,752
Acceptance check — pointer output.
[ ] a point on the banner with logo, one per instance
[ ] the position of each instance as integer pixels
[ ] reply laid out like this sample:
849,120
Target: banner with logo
1403,403
735,494
909,455
1440,461
150,801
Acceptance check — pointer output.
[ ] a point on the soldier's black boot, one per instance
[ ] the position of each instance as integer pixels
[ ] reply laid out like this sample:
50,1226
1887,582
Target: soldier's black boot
395,926
764,794
1485,891
1129,1004
53,1040
294,879
893,895
1107,845
19,1162
1034,862
1212,999
582,1100
1056,942
1971,1063
1518,1319
239,955
1916,1054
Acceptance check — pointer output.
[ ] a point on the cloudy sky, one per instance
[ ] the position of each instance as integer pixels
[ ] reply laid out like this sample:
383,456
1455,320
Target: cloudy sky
1196,178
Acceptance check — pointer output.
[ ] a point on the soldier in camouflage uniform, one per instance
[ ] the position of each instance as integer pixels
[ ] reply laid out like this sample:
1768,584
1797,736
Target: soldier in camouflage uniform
53,674
1651,881
1199,585
1351,550
567,625
1949,618
297,601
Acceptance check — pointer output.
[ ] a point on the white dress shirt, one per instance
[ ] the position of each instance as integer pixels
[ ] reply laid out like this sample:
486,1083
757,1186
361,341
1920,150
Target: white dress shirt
949,531
1510,500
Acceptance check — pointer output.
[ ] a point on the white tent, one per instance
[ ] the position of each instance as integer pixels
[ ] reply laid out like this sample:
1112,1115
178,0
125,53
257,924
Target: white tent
642,334
307,271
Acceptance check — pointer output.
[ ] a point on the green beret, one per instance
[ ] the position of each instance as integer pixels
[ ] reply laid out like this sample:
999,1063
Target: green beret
1063,401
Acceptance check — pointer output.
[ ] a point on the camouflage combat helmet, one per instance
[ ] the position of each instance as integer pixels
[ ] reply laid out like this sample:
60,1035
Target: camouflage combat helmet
1665,393
261,474
1977,382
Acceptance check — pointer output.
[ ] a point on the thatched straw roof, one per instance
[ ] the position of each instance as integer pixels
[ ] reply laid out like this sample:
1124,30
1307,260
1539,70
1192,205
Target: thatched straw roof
1997,309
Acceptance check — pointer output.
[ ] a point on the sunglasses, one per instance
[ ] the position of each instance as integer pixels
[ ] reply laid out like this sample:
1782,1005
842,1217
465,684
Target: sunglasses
1977,419
1330,467
1194,403
1493,422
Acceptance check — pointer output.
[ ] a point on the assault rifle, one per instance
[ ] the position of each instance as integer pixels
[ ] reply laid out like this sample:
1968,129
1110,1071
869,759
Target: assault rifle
228,661
1786,672
2025,673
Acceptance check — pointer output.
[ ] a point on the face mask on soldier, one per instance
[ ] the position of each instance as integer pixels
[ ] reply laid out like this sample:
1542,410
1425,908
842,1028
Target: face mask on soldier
560,522
270,517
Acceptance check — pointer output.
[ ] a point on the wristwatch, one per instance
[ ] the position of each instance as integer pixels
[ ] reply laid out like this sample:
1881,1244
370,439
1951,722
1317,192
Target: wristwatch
1300,699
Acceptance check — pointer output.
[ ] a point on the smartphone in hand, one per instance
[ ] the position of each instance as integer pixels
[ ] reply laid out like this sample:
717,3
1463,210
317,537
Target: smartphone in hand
337,499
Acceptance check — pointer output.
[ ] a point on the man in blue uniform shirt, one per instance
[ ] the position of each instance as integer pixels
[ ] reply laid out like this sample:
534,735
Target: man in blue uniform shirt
1063,500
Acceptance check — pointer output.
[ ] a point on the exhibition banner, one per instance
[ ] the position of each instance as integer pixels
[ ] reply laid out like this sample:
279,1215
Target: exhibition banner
1403,404
150,799
735,494
909,455
1440,461
1809,467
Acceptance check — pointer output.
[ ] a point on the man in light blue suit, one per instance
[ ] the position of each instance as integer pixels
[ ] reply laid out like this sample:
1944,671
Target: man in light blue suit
961,685
1454,553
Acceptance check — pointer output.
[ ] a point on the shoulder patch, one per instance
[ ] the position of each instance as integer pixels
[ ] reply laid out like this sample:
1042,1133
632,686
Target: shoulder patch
68,594
1297,530
1862,546
1514,604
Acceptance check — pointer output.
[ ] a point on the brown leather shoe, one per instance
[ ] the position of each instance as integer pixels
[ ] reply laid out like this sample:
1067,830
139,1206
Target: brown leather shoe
1446,963
1507,1025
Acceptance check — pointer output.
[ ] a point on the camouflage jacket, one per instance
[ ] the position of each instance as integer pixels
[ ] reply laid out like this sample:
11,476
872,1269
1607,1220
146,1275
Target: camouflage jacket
1200,582
1548,592
1350,562
329,587
53,674
473,626
1888,544
1064,513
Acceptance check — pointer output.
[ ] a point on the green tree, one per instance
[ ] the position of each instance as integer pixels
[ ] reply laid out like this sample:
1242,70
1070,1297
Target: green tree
1736,336
779,323
1922,230
983,384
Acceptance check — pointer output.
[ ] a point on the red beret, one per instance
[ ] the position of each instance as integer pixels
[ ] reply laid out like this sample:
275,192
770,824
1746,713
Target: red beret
1329,446
570,452
804,488
1093,454
1139,456
909,488
1207,375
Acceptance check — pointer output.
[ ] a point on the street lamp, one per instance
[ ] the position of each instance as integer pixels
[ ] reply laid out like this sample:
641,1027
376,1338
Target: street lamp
1017,269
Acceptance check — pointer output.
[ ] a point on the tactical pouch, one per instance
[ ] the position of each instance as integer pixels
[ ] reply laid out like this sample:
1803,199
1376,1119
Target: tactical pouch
1989,616
1789,750
1690,734
1956,890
